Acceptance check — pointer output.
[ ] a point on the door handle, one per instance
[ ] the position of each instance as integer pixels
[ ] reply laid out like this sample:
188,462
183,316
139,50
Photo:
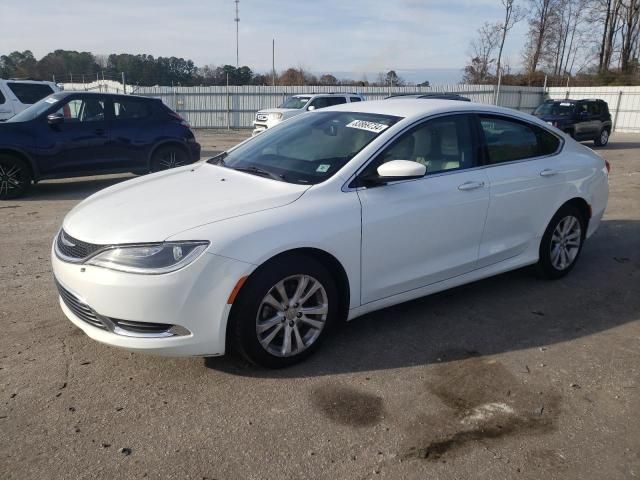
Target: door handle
548,172
470,186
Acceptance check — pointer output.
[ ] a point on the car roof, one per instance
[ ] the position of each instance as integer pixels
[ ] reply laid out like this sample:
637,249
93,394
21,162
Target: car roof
66,93
414,108
325,93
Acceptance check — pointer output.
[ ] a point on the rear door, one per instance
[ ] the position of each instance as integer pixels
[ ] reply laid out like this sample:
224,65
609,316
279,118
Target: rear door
136,127
80,144
527,181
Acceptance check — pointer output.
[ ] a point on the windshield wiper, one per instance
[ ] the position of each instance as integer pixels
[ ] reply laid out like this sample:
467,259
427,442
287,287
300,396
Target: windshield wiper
259,171
218,159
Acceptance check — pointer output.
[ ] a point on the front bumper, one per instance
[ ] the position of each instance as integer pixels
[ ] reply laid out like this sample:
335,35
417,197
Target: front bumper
193,299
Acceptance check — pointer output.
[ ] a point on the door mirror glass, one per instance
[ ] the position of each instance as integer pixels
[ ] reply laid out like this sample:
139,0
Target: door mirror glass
401,170
55,118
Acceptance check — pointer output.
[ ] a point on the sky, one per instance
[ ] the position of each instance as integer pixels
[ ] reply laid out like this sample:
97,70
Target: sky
419,39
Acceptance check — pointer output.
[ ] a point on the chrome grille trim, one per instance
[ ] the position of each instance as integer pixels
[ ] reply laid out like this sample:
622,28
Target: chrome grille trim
125,328
71,249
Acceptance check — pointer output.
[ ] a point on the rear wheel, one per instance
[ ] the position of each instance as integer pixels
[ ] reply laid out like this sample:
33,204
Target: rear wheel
602,139
562,242
167,157
283,312
15,177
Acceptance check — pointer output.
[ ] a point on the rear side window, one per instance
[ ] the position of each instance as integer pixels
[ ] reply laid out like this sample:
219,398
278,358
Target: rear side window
354,99
29,93
508,140
594,108
2,99
128,109
336,100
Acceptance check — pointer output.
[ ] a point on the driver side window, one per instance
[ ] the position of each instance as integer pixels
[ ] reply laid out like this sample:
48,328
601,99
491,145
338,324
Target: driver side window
83,110
441,144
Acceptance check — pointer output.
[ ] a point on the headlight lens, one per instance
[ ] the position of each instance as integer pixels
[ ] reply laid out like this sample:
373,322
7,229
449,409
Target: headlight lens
154,258
275,116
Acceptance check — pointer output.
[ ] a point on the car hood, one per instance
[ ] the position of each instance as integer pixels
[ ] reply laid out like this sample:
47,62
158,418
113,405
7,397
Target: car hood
155,207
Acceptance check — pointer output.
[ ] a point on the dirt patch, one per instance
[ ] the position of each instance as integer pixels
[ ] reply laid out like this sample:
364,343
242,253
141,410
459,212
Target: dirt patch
483,402
348,406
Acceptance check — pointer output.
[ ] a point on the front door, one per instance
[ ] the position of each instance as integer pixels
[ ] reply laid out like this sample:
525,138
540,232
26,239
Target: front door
419,232
81,142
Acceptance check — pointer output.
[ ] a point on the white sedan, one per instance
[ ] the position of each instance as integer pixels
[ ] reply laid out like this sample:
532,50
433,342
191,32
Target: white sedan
326,217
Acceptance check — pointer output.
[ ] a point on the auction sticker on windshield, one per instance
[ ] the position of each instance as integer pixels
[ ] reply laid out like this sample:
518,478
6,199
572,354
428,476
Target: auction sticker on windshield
369,126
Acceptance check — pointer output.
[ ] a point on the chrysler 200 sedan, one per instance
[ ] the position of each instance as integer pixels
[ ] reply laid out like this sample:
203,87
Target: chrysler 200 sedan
325,217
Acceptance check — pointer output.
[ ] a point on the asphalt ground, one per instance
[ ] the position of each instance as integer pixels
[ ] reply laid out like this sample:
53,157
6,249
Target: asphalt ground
507,378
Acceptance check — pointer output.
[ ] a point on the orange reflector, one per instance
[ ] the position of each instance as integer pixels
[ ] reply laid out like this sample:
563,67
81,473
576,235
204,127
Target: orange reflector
236,289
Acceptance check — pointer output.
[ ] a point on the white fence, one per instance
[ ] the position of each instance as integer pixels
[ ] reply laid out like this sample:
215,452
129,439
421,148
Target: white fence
235,106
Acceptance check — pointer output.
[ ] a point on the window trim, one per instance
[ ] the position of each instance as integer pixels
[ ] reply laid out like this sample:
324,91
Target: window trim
485,147
477,138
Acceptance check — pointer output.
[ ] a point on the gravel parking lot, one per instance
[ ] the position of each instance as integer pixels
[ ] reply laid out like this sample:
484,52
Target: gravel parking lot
511,377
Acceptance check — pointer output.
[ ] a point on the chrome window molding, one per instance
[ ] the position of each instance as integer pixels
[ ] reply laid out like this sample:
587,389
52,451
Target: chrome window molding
347,188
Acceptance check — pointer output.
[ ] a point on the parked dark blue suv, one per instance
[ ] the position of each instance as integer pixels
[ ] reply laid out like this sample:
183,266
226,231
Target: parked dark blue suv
70,134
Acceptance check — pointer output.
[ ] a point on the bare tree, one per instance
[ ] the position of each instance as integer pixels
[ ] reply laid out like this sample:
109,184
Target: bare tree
512,15
482,49
629,32
540,21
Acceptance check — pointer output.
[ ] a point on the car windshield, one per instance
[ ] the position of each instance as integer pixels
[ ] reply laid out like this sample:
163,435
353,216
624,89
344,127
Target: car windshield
36,109
307,149
556,109
295,102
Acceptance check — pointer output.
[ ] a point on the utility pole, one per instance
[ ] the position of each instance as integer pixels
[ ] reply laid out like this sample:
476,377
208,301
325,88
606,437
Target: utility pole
237,20
273,61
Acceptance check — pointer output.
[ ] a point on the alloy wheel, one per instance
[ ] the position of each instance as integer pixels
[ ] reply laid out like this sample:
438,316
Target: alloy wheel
292,315
10,178
565,242
170,160
604,137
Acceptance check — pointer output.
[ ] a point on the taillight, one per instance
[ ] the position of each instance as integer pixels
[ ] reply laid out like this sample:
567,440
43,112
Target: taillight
182,121
608,165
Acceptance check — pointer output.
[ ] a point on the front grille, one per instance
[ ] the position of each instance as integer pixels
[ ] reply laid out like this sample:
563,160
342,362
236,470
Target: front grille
80,309
75,249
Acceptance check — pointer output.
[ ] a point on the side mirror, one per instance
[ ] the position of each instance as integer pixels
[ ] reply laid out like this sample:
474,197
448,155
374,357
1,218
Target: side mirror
396,170
55,119
311,108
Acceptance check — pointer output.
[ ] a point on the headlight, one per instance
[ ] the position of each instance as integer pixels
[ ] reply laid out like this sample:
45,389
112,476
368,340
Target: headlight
275,116
153,258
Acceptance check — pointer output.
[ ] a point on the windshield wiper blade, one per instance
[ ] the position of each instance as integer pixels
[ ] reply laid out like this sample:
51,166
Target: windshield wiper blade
218,159
259,171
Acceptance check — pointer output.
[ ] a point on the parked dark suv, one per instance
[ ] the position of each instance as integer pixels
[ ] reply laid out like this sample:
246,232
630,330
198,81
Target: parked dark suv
581,119
70,134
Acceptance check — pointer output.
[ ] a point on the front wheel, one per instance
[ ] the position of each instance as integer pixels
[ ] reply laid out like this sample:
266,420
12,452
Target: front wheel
168,157
15,177
602,139
562,242
283,312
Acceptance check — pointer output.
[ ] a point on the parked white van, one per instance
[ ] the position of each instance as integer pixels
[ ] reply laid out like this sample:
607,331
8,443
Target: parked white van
16,95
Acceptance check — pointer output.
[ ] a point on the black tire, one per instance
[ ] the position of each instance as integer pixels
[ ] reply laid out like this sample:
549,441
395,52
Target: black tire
248,308
602,139
169,156
548,262
15,177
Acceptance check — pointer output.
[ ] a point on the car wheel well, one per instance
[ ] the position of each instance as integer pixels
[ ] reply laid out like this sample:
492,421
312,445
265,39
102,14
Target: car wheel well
20,156
582,205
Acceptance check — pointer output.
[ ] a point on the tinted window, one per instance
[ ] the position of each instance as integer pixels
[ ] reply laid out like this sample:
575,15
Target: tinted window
336,100
508,140
83,110
127,109
354,99
593,108
562,109
320,102
440,144
29,93
2,100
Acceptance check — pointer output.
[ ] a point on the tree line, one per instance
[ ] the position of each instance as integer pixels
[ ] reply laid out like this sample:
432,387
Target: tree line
581,42
147,70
